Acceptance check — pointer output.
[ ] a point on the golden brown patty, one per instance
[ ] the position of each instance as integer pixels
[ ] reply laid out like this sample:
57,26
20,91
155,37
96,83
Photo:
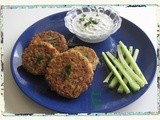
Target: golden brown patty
69,74
89,53
36,57
56,39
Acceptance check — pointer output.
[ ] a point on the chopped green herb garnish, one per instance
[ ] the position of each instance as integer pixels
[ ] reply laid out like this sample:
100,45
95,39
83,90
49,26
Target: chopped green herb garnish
83,15
67,71
91,21
94,22
38,59
87,24
81,19
86,55
68,68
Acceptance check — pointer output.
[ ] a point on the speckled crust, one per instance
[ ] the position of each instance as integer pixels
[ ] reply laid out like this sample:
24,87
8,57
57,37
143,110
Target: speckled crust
89,53
36,57
56,39
74,80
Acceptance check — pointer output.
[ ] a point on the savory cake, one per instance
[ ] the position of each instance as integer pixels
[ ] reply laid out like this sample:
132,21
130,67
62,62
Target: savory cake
89,53
36,57
56,39
69,74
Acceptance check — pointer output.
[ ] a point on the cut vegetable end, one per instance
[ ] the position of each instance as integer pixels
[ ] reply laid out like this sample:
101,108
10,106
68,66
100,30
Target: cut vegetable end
120,89
108,77
113,83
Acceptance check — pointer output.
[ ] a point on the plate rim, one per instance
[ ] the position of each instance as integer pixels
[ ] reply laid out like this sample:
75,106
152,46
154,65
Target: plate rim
60,110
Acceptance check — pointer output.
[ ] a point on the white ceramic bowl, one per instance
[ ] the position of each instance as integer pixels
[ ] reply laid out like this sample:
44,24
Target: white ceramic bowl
93,38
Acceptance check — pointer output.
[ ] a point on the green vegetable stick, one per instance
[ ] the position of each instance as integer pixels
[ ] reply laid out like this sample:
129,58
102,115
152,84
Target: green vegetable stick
108,77
131,82
114,81
135,55
133,63
130,51
114,70
128,69
120,88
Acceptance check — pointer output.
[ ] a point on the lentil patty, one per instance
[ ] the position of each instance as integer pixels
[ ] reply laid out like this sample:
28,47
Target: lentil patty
36,57
89,53
56,39
69,74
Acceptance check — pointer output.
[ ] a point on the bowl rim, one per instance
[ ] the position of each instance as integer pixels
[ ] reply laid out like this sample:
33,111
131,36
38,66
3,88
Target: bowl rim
69,25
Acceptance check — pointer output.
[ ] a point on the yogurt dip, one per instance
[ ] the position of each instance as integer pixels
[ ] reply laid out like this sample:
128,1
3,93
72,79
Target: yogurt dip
92,23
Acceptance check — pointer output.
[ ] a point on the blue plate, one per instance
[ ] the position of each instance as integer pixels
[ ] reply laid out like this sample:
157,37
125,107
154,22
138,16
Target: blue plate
98,98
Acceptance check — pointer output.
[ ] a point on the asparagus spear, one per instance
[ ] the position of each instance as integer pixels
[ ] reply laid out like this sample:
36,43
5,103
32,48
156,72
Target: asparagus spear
133,63
114,70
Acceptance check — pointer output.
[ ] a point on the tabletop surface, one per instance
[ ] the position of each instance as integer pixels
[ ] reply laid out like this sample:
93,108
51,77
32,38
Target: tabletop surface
15,21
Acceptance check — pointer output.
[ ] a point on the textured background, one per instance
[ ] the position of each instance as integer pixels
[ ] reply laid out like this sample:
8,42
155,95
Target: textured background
13,7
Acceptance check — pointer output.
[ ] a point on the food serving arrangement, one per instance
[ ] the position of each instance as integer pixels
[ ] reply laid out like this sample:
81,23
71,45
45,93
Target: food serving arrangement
97,97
